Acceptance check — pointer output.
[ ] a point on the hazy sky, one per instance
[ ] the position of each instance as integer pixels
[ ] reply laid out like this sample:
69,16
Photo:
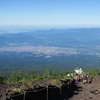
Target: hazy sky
50,12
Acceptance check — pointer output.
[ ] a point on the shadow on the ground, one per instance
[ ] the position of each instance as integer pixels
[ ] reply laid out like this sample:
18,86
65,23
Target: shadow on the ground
72,90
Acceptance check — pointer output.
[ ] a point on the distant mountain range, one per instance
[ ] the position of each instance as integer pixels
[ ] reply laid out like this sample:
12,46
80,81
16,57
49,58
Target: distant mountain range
53,37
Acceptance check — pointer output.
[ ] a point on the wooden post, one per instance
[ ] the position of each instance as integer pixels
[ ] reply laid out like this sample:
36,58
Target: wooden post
60,90
68,84
47,92
24,95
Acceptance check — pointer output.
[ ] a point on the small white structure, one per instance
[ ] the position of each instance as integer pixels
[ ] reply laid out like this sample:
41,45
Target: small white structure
68,74
78,71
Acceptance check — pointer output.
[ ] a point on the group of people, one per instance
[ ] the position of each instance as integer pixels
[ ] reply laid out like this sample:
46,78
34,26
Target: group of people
84,78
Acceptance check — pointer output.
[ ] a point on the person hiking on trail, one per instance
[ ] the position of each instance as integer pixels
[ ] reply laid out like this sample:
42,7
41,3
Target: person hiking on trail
76,78
85,79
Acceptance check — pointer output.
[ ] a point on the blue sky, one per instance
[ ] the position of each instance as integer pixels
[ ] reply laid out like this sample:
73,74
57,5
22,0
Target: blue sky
74,13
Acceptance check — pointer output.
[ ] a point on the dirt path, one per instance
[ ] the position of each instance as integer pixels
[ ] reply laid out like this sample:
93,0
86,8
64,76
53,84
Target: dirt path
88,91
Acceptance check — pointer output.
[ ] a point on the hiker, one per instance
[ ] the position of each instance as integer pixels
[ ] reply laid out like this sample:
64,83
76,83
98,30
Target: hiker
85,79
76,78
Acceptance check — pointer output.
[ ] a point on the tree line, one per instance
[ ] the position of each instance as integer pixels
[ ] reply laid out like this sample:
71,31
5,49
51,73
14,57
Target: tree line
29,77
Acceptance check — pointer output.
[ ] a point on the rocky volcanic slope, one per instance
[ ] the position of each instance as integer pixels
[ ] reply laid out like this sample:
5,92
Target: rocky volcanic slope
88,91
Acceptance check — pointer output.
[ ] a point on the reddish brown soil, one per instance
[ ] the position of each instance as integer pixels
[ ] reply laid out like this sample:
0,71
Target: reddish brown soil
88,91
79,92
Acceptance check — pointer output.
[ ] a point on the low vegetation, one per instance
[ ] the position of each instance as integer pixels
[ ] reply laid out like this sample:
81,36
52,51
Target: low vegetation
20,77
